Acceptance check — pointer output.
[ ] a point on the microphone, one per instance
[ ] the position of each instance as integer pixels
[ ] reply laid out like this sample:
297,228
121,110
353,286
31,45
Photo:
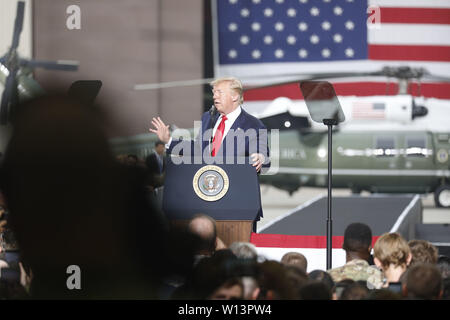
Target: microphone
212,113
212,110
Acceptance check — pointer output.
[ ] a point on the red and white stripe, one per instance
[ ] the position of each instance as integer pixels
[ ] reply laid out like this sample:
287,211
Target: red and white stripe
413,33
365,110
274,246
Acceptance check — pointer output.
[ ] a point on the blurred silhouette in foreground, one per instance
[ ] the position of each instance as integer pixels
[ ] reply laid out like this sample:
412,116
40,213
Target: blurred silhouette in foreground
71,203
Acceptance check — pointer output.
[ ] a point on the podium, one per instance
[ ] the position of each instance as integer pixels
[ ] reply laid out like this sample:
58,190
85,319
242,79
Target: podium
228,192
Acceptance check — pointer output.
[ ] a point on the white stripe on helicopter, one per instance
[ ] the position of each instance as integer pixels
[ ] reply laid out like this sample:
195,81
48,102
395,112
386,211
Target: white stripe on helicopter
372,172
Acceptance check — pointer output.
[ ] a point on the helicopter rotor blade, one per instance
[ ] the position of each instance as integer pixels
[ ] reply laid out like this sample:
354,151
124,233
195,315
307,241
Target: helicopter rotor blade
65,65
388,72
436,78
18,25
307,77
172,84
400,73
268,82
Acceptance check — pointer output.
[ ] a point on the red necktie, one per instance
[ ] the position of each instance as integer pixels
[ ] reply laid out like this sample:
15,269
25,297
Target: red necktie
217,141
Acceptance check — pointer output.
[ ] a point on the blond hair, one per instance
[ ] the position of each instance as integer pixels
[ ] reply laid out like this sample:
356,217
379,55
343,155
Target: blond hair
391,248
235,84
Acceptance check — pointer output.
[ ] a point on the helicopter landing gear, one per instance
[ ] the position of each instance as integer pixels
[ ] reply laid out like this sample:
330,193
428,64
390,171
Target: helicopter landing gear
442,196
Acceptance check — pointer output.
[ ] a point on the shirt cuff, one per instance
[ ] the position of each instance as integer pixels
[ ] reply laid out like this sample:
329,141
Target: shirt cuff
168,143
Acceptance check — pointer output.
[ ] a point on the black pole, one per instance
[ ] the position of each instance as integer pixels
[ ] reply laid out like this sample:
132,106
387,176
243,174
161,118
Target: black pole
329,123
323,105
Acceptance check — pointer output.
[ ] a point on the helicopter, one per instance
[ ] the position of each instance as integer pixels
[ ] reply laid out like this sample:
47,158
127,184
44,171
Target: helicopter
388,144
16,76
402,149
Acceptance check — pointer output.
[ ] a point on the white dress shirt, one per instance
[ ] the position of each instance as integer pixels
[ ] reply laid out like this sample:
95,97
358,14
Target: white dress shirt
231,118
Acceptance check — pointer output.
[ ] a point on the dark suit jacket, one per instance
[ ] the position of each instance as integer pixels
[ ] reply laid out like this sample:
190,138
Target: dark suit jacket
153,164
247,135
154,176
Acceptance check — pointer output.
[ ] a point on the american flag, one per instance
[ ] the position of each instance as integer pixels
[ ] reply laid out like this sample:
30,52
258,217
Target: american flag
261,40
368,110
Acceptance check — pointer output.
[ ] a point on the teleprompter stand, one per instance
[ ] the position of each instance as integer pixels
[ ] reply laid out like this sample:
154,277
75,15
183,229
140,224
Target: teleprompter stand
323,106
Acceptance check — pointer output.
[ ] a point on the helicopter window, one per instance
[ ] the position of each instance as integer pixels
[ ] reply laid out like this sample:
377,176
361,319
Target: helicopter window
385,147
416,147
443,138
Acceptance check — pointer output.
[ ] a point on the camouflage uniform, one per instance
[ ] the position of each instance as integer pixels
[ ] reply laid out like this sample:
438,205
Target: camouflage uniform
356,270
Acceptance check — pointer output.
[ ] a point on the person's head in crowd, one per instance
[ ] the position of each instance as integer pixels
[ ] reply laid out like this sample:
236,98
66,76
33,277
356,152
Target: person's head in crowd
323,276
244,250
132,159
246,268
354,291
231,289
423,251
69,204
358,266
297,277
340,286
443,264
393,255
160,147
204,227
423,281
295,259
274,283
210,274
357,241
315,290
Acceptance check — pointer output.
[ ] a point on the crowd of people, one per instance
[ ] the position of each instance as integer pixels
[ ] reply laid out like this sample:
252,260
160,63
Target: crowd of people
396,270
66,200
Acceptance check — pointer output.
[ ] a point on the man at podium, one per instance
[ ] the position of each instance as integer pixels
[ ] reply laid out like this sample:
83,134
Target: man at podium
227,119
227,130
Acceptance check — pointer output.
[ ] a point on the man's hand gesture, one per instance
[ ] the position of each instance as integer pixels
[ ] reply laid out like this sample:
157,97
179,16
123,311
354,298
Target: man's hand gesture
161,130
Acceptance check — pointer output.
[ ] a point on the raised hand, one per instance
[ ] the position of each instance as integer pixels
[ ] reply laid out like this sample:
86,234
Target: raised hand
161,130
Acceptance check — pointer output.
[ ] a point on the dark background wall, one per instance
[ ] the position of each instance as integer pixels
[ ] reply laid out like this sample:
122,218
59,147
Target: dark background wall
123,43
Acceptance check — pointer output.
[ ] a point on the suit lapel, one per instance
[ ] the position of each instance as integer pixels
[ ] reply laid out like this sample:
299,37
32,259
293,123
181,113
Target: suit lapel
237,125
240,120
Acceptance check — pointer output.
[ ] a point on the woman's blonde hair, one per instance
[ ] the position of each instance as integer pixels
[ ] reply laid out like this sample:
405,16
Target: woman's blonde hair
391,248
235,84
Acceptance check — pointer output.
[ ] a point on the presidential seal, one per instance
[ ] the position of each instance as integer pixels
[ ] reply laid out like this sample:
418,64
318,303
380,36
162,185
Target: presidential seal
210,183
